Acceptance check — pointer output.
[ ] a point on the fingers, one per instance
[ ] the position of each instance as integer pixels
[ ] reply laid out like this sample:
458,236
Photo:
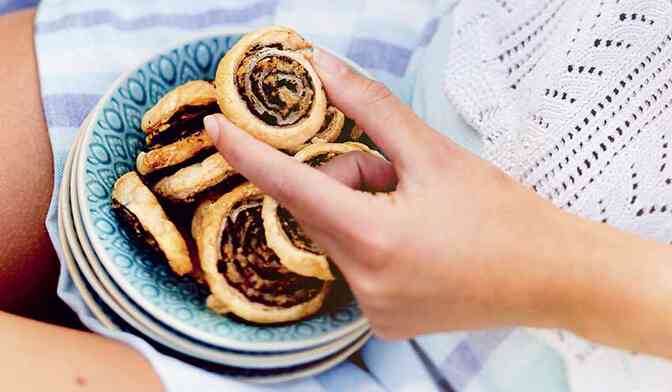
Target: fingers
390,123
302,189
362,171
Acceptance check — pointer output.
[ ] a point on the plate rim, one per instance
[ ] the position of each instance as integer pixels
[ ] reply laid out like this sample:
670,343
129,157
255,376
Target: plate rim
130,291
309,369
68,256
182,344
324,366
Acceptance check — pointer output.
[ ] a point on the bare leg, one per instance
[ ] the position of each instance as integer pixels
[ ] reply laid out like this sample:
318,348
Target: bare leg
42,357
39,356
28,266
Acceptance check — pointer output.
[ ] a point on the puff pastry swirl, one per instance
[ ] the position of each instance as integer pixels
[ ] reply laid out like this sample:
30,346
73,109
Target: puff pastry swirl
181,161
336,128
267,86
141,212
193,96
283,234
245,276
187,183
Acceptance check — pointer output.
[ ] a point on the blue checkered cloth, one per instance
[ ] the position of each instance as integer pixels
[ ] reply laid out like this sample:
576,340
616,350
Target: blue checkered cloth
83,46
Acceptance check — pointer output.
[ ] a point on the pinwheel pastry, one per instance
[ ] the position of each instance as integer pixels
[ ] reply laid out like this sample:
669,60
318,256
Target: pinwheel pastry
267,86
181,161
336,128
283,234
244,274
141,212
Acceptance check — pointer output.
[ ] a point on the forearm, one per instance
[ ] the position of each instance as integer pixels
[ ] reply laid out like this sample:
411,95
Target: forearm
43,357
617,287
557,270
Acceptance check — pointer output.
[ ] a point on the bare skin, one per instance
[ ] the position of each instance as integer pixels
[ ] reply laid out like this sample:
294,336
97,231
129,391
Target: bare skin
39,356
458,244
28,265
44,357
468,224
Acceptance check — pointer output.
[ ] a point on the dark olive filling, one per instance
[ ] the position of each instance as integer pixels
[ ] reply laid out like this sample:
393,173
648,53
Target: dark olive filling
155,176
252,267
328,118
296,235
289,224
348,127
134,227
186,121
276,88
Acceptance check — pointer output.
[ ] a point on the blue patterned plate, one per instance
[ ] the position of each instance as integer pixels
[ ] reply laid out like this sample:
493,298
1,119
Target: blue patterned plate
68,257
109,148
78,251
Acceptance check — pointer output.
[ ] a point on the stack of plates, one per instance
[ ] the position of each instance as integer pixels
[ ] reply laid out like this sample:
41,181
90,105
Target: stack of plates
128,289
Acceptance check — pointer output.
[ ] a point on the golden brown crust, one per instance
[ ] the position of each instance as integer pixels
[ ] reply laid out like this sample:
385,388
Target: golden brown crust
173,154
186,183
207,228
331,130
197,92
131,193
313,150
295,49
297,260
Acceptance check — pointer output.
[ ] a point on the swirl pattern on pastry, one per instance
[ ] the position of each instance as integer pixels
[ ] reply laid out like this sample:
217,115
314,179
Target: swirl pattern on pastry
244,274
336,128
296,251
179,162
142,214
266,86
332,127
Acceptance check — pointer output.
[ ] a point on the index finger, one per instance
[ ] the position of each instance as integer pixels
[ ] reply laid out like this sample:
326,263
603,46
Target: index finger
304,190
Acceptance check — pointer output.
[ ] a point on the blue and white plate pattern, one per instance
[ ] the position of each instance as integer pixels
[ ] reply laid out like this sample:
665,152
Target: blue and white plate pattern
80,251
109,147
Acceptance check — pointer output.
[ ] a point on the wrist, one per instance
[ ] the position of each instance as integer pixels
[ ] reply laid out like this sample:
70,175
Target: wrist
534,242
627,295
554,260
610,286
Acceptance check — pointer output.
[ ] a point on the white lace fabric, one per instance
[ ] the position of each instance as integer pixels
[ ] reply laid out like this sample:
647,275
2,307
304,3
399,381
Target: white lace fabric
572,98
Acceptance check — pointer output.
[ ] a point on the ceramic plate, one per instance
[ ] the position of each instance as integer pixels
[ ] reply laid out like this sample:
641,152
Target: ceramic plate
265,376
144,323
75,275
109,147
316,368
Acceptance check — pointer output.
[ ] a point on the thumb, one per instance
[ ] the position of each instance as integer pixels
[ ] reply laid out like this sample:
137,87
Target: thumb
389,122
362,171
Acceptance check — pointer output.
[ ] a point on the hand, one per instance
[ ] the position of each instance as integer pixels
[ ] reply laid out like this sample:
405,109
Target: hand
437,253
456,244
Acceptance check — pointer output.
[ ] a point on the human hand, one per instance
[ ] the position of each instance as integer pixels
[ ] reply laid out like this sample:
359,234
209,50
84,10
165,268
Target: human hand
455,244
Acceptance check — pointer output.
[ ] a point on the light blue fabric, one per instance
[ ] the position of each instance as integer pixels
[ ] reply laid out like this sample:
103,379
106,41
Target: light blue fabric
82,46
7,6
428,99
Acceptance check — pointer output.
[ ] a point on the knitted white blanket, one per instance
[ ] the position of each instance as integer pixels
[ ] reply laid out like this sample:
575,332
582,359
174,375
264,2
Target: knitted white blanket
572,98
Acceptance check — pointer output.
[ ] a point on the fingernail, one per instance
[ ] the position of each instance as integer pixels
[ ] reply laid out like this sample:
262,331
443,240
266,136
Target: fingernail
327,62
212,127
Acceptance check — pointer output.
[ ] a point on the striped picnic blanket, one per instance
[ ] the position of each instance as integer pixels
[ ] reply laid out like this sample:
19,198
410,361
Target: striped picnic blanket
83,46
